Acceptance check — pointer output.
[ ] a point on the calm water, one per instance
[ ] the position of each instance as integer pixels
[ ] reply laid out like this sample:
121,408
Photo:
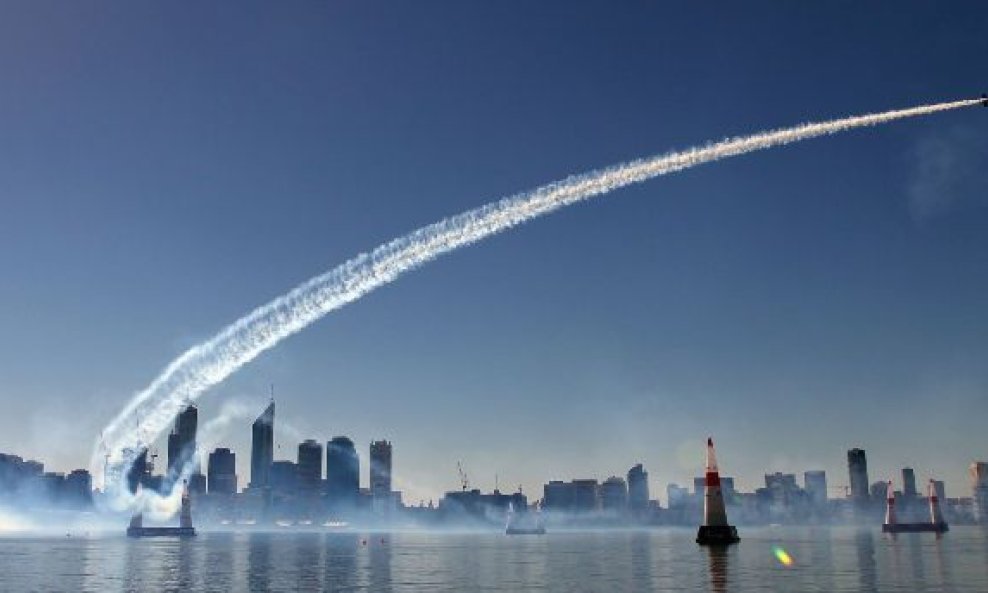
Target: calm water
824,560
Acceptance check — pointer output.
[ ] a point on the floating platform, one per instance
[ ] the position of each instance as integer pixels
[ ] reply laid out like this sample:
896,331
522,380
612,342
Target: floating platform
915,528
525,531
717,535
161,532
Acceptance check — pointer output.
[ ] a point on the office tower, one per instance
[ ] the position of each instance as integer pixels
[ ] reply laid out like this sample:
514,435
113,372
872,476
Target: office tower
677,497
783,488
585,495
614,494
637,488
79,488
182,439
283,478
310,467
909,483
380,469
262,449
979,490
557,496
222,470
139,473
342,472
857,467
815,484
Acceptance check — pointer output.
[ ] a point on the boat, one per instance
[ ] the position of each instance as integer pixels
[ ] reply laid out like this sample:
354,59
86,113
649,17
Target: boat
525,523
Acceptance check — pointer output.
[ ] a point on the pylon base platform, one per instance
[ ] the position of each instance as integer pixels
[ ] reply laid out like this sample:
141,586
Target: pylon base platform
915,528
717,535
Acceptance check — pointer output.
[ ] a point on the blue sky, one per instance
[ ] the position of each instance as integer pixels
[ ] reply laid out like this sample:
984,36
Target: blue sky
166,168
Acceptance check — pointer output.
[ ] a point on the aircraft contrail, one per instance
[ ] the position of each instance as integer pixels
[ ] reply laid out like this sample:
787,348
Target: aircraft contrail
150,411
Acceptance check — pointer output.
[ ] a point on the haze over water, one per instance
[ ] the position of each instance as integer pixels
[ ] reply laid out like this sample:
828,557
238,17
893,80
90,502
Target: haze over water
839,560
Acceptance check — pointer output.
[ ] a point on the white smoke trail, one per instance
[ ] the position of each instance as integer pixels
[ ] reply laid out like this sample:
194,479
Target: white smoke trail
208,363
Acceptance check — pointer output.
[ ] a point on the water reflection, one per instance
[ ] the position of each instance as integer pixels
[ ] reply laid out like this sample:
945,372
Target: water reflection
340,560
717,560
380,564
259,566
218,560
641,560
307,563
864,543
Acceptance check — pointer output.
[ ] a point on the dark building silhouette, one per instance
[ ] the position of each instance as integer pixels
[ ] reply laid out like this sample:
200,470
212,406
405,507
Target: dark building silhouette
182,439
637,489
909,483
380,469
222,469
309,468
342,472
284,479
139,473
857,467
585,495
78,489
557,496
815,484
262,449
614,494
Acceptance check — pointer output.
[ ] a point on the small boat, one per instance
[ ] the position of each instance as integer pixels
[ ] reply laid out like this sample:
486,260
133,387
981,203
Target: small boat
526,523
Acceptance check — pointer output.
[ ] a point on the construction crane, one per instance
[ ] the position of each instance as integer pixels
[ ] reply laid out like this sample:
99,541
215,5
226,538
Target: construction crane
464,482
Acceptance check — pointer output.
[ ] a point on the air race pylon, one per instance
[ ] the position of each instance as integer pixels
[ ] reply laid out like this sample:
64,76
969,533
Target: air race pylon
715,529
890,505
936,515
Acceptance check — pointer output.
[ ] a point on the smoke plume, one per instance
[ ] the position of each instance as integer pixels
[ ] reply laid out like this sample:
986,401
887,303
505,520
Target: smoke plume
151,410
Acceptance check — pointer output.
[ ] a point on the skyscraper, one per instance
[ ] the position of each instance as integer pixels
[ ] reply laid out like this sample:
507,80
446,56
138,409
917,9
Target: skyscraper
857,467
614,494
909,483
815,484
222,470
342,472
309,468
637,489
182,450
380,469
182,439
262,449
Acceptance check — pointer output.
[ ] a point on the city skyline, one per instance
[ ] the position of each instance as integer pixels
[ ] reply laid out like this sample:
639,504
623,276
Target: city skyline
773,302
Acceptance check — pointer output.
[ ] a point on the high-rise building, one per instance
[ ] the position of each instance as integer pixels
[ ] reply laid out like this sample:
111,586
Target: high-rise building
783,488
557,496
585,495
614,494
309,467
380,469
182,439
815,484
677,497
857,467
222,470
78,488
283,478
262,449
909,483
342,472
182,450
979,490
637,488
941,491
